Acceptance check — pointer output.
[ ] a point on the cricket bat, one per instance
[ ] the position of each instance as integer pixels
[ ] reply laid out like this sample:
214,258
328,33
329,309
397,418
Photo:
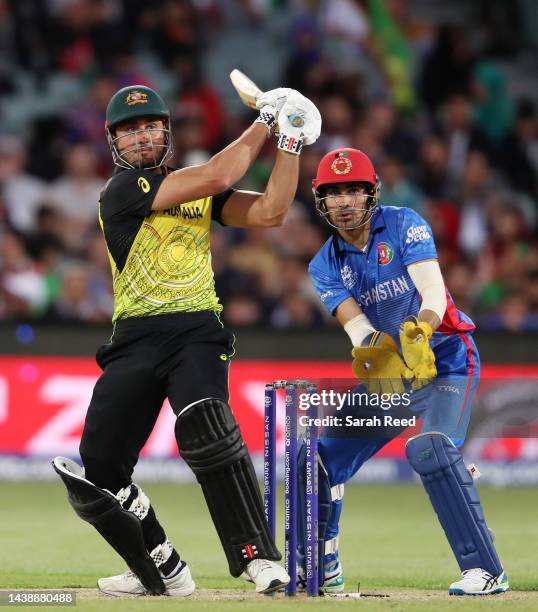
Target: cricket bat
249,92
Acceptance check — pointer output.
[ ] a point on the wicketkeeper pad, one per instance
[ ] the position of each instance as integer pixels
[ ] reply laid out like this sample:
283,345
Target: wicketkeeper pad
120,527
455,499
210,442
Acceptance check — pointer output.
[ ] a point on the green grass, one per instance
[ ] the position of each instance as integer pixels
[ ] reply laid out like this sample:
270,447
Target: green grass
390,539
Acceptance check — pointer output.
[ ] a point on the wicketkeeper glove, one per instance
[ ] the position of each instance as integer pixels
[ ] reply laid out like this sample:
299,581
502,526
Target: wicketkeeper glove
415,340
378,365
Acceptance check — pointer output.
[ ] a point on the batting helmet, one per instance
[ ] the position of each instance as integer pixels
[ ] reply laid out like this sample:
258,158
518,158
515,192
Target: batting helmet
134,102
346,166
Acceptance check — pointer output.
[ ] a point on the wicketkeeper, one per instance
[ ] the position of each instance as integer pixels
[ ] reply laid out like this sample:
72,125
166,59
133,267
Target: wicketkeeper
168,341
379,275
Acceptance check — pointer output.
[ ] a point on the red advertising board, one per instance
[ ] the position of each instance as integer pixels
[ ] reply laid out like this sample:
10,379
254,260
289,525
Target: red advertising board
43,402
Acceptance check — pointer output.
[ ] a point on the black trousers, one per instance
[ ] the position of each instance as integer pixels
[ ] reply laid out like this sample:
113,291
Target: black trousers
183,356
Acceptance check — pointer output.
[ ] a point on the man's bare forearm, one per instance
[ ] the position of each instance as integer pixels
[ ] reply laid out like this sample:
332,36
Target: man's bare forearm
281,187
233,162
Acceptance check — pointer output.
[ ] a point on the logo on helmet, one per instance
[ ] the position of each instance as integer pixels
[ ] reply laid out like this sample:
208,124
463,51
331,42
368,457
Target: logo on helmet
384,253
342,164
136,97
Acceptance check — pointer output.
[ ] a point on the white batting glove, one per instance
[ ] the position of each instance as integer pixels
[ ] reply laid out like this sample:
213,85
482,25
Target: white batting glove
275,98
291,137
311,116
267,116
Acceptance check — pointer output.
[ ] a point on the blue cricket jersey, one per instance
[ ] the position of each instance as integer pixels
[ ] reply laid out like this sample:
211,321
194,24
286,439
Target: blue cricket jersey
378,280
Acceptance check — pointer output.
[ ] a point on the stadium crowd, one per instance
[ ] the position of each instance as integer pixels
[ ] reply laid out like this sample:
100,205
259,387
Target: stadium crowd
427,101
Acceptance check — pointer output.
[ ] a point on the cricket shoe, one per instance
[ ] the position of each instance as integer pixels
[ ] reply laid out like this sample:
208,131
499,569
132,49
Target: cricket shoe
267,575
477,581
333,578
180,585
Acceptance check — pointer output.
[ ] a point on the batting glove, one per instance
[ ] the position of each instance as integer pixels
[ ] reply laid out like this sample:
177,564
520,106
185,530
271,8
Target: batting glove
415,340
275,98
267,116
292,137
378,365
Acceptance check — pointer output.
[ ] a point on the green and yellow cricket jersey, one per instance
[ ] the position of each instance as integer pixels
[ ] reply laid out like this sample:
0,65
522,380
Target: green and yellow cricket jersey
160,260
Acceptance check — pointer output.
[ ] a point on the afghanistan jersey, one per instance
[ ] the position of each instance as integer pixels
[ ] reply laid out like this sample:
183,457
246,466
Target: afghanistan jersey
160,259
377,277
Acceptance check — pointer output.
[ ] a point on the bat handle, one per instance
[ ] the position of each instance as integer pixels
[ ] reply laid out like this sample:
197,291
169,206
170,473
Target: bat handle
296,119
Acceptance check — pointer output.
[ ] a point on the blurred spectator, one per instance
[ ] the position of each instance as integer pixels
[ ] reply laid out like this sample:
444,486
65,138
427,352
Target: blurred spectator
508,257
338,121
22,288
460,281
305,53
242,309
514,315
75,301
198,98
8,50
22,192
520,150
86,120
395,139
476,185
448,68
459,133
396,53
432,176
76,195
294,310
397,189
494,111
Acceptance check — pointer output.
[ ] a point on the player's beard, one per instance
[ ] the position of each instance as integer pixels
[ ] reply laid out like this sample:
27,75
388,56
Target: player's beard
349,219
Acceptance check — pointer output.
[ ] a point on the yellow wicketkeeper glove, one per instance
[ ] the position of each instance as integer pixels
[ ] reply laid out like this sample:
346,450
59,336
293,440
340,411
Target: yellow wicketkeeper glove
415,340
378,365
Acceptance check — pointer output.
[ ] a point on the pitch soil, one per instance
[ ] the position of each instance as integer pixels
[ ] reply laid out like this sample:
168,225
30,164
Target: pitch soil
380,595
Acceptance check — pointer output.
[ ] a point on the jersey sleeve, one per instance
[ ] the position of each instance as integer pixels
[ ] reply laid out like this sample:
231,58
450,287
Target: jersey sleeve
328,286
130,193
218,203
416,238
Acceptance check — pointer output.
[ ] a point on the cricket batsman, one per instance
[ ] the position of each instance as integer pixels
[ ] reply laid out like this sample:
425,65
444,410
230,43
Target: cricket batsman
168,341
379,276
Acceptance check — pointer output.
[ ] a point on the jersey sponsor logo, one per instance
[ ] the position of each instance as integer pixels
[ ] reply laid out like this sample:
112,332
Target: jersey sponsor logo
385,291
349,277
417,233
143,184
326,295
449,389
385,253
185,212
342,164
136,97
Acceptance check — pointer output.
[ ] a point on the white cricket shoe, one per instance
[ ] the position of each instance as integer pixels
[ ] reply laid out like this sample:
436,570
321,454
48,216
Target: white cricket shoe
180,585
477,581
267,575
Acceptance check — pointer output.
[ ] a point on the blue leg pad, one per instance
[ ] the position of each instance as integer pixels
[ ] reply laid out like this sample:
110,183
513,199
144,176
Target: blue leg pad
455,499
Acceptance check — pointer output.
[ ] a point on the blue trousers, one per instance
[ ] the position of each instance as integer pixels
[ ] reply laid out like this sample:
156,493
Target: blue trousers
444,405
